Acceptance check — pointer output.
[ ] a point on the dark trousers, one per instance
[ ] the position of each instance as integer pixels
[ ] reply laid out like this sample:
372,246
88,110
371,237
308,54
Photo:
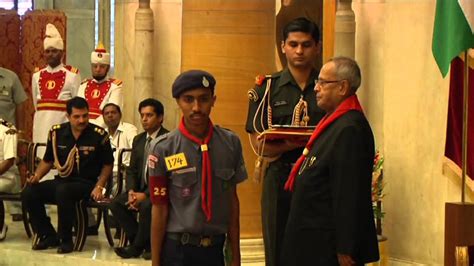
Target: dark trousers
176,254
138,232
275,209
65,193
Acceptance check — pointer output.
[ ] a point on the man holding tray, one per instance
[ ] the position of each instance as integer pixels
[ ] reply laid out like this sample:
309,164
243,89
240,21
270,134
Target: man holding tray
283,98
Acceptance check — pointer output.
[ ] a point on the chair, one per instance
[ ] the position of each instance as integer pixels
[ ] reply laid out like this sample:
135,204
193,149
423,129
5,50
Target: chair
23,159
81,221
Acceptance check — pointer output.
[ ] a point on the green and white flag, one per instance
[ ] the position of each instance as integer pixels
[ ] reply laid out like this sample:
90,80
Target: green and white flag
453,31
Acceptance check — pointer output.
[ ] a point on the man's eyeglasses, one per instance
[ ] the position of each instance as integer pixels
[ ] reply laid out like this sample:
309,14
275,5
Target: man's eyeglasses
321,82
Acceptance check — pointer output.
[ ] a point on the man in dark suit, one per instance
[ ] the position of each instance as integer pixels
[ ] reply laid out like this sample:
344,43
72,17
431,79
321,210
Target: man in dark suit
137,196
331,220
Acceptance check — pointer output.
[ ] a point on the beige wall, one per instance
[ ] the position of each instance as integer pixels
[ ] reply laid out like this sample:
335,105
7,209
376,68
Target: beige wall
166,56
406,98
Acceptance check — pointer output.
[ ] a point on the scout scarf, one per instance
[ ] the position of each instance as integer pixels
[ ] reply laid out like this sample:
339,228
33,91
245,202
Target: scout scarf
351,103
206,171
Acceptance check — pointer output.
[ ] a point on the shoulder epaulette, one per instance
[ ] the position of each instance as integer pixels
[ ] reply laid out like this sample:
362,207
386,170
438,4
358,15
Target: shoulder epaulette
99,130
11,128
72,69
36,69
117,82
85,81
260,79
56,127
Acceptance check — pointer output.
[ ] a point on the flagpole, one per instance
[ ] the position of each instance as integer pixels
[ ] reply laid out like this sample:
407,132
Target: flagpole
464,125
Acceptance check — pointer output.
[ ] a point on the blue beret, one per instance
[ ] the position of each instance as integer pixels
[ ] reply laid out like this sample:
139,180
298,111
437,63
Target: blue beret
192,79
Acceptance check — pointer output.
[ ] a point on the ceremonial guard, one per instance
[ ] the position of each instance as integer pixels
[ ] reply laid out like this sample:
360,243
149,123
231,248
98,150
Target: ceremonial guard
284,98
83,156
8,179
194,171
52,86
100,89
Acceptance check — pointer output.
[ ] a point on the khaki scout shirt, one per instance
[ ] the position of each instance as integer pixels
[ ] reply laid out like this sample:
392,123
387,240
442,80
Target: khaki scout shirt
11,94
184,184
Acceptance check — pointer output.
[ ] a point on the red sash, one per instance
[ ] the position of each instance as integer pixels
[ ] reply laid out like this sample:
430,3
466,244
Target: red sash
51,84
95,94
206,171
351,103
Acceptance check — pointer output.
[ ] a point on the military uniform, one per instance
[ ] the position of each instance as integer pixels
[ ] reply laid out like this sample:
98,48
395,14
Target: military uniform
80,163
8,180
51,88
98,93
284,96
189,235
11,94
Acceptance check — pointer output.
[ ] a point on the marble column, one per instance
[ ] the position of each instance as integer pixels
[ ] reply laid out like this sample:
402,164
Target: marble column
144,30
104,23
344,43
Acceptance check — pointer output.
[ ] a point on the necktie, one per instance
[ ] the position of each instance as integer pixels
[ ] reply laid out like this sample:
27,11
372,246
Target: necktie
144,180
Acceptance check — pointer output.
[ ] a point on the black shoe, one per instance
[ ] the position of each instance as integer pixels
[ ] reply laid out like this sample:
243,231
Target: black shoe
66,247
146,255
128,252
46,242
17,217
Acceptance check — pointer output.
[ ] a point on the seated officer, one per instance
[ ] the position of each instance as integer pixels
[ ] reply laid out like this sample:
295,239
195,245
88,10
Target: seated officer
82,154
194,171
8,175
138,197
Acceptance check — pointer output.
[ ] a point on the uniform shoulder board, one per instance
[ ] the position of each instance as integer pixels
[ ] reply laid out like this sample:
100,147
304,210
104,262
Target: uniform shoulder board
85,81
36,69
56,127
72,69
257,92
117,82
99,130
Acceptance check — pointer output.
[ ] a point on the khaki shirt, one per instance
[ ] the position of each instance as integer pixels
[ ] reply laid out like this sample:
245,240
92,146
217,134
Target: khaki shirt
184,184
11,94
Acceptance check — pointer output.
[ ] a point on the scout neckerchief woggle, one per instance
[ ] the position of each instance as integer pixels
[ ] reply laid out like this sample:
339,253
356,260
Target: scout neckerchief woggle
351,103
206,171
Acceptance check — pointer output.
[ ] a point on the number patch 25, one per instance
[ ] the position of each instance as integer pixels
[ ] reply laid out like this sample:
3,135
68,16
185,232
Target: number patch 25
159,191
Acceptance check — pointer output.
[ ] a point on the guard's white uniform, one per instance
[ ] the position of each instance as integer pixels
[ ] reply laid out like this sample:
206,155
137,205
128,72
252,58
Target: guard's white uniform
98,94
51,88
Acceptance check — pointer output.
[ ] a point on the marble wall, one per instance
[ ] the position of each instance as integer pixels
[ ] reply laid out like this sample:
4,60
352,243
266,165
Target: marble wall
166,57
406,100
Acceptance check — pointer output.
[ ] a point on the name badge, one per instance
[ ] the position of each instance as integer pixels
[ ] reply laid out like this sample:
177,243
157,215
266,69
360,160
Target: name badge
176,161
5,93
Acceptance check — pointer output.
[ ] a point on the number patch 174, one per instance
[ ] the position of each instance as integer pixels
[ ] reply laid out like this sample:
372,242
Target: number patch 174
176,161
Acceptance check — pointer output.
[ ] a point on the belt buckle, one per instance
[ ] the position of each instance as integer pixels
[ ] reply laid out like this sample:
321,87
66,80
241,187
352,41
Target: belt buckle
185,238
205,242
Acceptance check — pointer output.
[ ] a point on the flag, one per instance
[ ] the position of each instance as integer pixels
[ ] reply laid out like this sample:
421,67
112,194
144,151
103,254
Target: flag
453,31
453,148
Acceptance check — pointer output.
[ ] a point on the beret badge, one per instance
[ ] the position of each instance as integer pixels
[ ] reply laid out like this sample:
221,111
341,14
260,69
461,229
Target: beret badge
205,82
